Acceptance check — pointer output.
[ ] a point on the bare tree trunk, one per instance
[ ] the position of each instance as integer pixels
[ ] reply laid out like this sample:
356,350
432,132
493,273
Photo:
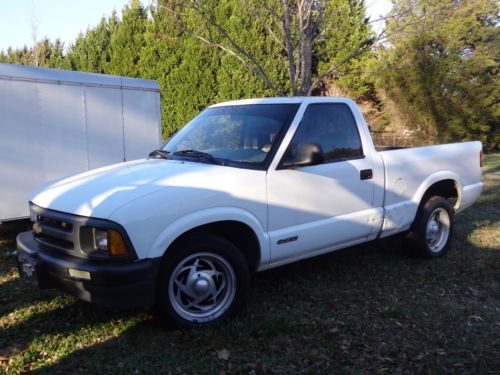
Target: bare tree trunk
289,46
307,22
34,36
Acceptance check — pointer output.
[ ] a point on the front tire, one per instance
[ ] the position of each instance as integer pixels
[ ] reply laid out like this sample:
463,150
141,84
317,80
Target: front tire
202,280
432,229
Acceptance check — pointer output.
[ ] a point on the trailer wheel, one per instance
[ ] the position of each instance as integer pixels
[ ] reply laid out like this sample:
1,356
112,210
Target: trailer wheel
432,229
202,280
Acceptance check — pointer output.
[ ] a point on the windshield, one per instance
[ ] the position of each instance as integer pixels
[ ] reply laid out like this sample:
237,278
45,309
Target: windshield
245,134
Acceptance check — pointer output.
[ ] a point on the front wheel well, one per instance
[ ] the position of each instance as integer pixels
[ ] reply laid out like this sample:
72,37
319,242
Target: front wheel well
238,233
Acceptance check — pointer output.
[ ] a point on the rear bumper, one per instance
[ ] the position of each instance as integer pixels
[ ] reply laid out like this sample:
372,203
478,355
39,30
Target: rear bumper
124,285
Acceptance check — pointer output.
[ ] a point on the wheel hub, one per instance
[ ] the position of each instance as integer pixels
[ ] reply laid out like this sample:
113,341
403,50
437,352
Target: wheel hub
199,284
432,229
437,230
202,287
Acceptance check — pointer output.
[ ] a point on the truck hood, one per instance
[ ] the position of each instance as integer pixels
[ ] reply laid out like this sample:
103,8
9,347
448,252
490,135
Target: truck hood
100,192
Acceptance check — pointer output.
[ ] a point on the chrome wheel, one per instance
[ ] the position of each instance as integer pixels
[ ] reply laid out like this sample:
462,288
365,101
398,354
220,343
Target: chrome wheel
437,230
202,287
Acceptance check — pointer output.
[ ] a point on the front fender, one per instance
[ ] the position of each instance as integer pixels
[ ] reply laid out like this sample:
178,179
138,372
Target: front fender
208,216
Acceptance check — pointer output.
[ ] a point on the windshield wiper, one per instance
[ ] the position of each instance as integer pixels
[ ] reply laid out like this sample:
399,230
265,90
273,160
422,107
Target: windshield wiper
199,154
162,154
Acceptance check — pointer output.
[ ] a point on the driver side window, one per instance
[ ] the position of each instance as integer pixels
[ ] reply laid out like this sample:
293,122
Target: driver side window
332,127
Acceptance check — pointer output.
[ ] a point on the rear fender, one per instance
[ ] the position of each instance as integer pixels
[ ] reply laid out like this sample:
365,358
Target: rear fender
400,216
434,178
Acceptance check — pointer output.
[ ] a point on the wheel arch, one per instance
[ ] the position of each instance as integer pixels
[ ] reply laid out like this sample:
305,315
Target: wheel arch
446,184
237,226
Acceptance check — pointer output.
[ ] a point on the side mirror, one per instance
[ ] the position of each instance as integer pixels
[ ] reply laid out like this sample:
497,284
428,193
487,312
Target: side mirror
306,154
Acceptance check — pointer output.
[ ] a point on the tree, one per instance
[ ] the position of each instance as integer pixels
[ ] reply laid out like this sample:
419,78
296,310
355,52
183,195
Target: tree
127,41
186,73
91,51
443,71
298,28
45,53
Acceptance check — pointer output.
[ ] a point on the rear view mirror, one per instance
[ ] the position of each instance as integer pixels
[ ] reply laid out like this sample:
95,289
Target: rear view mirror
305,154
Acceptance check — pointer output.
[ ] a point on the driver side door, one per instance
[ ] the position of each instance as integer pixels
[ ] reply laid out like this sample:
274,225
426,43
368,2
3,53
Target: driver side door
316,208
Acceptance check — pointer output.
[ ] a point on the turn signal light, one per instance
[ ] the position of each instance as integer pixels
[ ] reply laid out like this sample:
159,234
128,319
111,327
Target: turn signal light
116,245
481,157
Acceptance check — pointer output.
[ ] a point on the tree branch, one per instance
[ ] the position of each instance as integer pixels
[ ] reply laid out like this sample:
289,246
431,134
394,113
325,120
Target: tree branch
241,59
258,67
264,23
250,64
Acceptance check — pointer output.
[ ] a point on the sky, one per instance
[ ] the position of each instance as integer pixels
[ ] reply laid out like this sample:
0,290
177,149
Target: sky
377,9
64,19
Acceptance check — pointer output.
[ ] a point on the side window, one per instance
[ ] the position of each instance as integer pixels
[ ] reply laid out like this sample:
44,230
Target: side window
331,126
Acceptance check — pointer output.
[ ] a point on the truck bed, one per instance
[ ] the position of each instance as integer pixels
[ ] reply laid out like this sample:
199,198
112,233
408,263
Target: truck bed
409,172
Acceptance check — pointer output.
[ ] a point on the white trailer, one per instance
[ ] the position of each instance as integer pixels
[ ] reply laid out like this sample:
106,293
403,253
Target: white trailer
55,123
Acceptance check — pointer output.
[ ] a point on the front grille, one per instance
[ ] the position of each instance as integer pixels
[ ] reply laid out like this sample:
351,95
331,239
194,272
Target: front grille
55,233
57,224
72,234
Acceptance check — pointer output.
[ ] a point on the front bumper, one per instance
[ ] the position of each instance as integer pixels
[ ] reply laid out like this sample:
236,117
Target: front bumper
124,285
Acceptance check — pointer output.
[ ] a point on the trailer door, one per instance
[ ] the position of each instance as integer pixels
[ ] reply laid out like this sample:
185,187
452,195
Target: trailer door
20,132
104,126
141,123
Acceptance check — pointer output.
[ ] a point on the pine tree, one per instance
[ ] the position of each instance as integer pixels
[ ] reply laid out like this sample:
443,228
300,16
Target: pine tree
346,30
127,41
185,70
91,51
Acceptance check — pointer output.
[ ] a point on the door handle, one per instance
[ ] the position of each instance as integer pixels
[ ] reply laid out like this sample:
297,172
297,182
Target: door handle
366,174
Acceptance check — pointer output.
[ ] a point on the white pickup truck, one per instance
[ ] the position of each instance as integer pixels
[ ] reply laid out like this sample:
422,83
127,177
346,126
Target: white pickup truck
245,186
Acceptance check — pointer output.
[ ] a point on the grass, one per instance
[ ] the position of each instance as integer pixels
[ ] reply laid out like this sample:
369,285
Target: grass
360,310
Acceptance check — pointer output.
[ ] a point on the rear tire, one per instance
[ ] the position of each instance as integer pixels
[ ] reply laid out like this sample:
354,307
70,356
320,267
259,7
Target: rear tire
202,280
432,229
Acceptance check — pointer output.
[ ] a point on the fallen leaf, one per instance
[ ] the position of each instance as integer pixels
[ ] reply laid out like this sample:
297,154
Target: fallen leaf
223,354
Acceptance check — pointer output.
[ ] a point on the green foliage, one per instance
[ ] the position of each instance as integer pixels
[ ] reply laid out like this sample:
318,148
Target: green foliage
443,68
346,30
185,70
126,42
235,81
91,51
45,53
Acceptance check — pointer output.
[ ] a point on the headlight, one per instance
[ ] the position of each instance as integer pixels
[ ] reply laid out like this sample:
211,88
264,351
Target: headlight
101,239
108,240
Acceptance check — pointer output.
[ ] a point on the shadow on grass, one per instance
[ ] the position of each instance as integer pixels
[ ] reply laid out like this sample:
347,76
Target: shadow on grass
61,316
15,295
